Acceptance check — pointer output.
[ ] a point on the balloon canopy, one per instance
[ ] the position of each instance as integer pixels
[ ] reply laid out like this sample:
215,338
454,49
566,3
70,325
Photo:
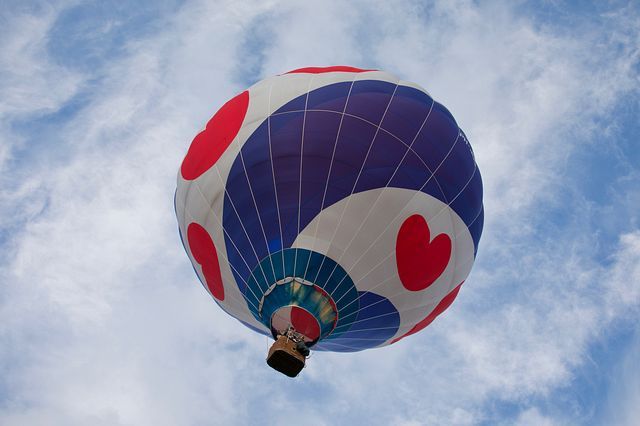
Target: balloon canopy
342,202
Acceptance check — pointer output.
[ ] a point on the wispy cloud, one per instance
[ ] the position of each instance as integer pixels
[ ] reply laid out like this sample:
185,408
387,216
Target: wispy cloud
102,320
31,86
624,397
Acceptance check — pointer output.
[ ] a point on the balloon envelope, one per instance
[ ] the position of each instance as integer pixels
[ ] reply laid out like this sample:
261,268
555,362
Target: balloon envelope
343,202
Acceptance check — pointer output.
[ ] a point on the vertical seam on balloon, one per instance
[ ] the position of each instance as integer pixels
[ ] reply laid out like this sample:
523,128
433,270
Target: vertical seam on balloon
246,174
376,266
372,124
392,277
355,184
402,329
304,119
243,228
455,235
326,185
448,203
432,175
409,148
273,174
188,212
454,246
475,168
230,239
397,216
242,224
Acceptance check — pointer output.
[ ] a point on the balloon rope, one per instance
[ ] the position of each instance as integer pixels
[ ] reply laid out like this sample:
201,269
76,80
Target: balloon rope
255,205
431,176
470,260
304,121
393,251
409,148
224,256
345,208
273,173
402,210
245,233
326,184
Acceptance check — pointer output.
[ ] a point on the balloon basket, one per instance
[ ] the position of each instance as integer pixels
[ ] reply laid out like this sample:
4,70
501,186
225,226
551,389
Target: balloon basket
286,356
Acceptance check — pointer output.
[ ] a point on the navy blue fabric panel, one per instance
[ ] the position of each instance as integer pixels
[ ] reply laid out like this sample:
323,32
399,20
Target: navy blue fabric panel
476,230
286,145
320,136
413,174
244,214
456,170
239,247
353,143
240,270
407,111
332,97
436,138
384,158
369,99
469,203
296,104
377,320
444,111
257,161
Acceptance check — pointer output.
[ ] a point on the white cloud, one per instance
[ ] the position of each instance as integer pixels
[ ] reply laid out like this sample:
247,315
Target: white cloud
102,321
30,81
623,407
31,85
532,417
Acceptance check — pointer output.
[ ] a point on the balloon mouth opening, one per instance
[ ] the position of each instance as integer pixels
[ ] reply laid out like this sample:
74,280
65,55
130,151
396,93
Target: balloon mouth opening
296,303
297,318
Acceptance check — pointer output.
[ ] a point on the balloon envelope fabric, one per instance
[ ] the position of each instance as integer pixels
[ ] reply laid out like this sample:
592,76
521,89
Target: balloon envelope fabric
343,202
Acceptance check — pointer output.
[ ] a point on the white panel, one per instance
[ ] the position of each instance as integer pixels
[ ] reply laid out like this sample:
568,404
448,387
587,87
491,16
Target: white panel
365,242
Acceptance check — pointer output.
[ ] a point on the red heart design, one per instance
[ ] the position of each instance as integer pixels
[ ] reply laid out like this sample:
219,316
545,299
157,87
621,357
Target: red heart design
420,261
209,144
204,252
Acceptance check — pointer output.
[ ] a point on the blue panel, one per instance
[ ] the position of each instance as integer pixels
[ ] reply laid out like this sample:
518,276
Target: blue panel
407,111
384,158
332,97
296,104
377,320
476,229
369,99
356,136
436,138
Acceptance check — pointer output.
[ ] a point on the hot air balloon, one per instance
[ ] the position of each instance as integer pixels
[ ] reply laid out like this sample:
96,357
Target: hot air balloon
333,209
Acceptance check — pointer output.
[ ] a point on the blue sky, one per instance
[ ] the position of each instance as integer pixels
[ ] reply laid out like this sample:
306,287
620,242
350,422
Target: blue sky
102,320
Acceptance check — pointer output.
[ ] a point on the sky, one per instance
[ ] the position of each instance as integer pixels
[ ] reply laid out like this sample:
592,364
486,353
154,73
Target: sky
102,320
